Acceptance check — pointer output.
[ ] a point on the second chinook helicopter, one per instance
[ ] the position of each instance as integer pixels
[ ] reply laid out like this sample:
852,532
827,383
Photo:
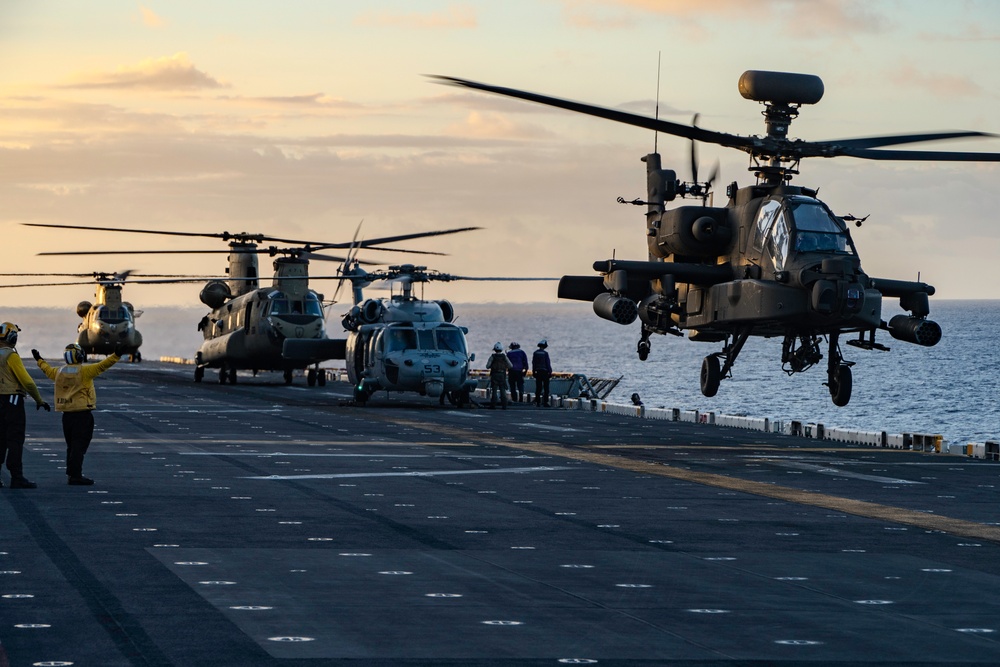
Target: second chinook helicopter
250,326
775,261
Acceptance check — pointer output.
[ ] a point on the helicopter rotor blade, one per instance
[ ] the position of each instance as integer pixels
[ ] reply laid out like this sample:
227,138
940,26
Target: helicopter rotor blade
655,124
931,156
136,252
368,243
694,152
333,258
758,146
875,142
352,254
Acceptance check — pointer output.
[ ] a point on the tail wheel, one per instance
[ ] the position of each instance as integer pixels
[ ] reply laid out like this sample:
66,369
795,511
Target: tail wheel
711,375
841,383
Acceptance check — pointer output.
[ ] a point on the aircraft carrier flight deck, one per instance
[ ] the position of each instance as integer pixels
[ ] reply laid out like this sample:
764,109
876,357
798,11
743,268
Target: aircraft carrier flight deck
265,524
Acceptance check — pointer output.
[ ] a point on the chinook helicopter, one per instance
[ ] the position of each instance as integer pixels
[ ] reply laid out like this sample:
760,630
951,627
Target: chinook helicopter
108,322
775,261
250,326
406,343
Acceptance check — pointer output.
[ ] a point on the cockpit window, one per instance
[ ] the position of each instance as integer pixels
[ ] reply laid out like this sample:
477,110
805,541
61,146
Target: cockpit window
451,339
779,242
113,315
765,217
817,230
282,305
400,339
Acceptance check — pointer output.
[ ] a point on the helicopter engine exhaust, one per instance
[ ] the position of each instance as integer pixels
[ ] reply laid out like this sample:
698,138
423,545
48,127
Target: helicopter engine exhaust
616,308
915,330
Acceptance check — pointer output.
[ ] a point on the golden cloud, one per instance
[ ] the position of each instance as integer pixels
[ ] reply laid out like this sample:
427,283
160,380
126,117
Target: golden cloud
175,72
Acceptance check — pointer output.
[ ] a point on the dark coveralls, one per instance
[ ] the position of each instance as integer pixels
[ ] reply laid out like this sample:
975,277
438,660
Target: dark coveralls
15,385
519,368
541,370
498,365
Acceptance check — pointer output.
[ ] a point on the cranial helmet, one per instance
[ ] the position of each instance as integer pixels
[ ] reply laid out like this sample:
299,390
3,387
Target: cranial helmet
498,347
543,343
74,354
8,333
515,346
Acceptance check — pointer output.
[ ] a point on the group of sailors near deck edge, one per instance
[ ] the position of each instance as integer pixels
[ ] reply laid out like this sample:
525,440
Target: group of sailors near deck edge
509,370
75,398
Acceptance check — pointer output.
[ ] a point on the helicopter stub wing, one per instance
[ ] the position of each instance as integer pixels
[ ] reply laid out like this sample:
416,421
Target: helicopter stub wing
638,274
313,350
697,274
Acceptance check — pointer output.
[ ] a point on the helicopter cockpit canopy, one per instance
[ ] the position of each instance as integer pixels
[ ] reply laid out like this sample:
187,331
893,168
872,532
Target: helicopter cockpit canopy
445,337
111,315
816,228
800,224
282,305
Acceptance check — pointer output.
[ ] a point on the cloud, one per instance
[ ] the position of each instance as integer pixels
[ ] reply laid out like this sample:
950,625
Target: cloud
150,19
816,18
175,72
454,17
971,33
496,126
935,83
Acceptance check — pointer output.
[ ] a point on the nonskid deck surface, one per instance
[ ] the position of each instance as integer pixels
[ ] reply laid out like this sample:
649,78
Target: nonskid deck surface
264,524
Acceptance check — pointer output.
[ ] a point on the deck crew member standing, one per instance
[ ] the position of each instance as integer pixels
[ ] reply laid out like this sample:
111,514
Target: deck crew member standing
76,398
498,366
15,384
541,370
519,368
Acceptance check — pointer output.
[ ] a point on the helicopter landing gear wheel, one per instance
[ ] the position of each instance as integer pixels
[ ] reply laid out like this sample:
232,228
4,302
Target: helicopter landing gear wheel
711,375
288,377
199,373
841,383
838,374
232,376
311,377
223,375
321,377
643,349
360,396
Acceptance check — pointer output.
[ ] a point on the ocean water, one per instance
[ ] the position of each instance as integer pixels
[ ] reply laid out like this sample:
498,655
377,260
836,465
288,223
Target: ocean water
950,389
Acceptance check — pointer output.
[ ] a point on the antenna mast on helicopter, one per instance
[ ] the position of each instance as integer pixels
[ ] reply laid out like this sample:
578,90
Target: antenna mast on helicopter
656,134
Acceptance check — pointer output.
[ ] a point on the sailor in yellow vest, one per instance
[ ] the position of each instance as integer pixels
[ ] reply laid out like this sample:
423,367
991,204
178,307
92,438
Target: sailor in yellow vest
76,399
15,384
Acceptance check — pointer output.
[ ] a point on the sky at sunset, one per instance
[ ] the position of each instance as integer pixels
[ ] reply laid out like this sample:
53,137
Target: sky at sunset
302,118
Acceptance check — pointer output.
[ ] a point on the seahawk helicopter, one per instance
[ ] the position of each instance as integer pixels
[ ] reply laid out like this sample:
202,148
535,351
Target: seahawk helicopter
249,325
107,322
406,343
775,261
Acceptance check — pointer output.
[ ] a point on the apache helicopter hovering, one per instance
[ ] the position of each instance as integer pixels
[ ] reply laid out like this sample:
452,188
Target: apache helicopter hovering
406,343
775,261
107,322
250,326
